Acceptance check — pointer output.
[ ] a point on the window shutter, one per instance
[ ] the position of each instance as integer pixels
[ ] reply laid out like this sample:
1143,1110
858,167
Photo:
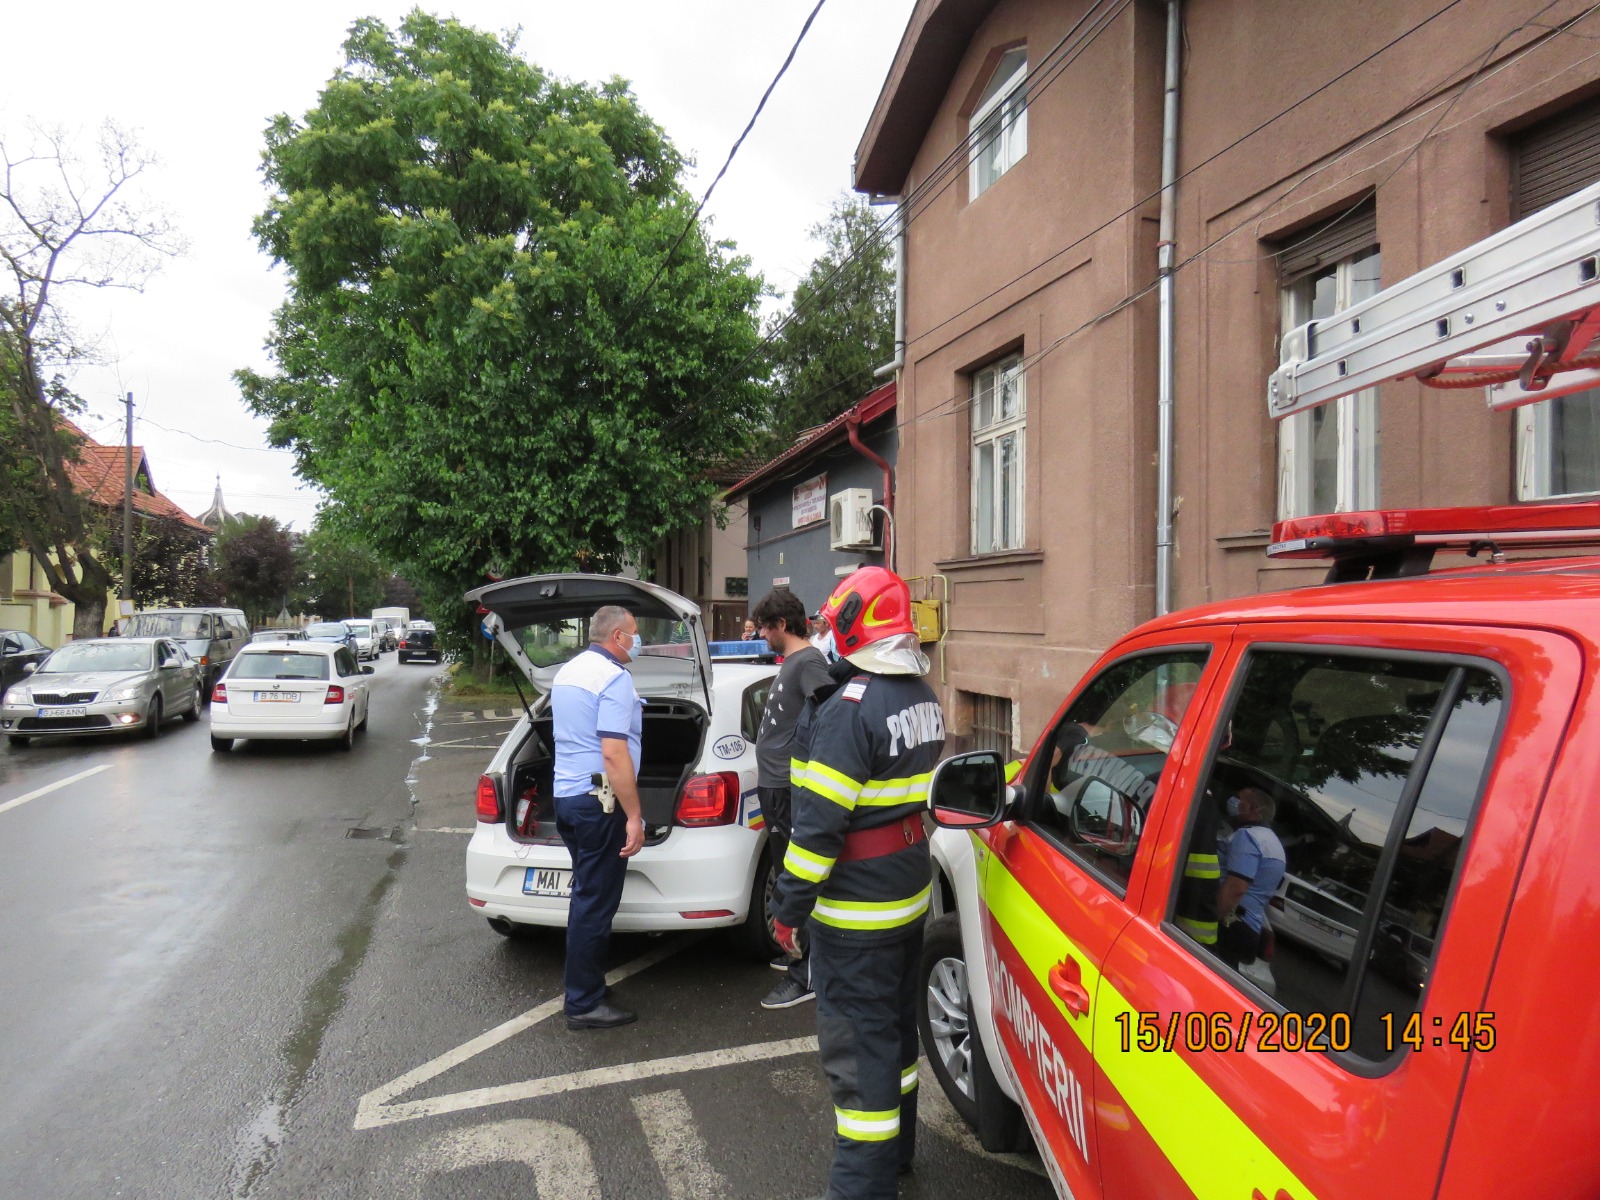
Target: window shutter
1345,233
1555,158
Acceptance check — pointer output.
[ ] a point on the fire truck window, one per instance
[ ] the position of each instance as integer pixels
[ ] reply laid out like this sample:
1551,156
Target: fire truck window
1091,792
1316,866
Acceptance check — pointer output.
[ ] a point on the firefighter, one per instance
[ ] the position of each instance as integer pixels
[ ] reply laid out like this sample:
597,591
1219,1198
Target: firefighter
857,874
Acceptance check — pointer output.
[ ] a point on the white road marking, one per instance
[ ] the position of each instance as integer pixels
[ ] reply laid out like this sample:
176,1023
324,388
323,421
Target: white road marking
54,787
563,1168
678,1148
373,1107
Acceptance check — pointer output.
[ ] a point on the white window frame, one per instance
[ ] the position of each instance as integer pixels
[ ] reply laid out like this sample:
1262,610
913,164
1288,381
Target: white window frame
1356,418
1535,452
1002,373
1009,109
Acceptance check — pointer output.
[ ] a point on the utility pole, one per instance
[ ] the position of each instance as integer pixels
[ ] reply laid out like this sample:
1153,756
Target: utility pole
127,514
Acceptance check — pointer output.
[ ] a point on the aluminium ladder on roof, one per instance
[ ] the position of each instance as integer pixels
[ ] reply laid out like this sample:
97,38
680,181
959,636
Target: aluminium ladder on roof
1526,298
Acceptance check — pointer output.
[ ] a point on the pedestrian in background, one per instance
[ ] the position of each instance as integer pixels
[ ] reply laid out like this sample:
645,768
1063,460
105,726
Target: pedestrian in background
858,876
598,720
781,619
822,638
752,629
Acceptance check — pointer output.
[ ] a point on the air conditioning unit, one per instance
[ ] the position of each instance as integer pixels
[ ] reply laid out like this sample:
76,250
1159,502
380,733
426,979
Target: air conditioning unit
850,520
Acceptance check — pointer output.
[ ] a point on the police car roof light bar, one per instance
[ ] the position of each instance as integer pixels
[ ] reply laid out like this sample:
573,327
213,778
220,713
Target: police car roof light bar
1390,543
1471,313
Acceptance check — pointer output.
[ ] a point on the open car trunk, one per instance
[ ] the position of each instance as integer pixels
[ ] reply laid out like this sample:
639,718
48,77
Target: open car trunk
672,734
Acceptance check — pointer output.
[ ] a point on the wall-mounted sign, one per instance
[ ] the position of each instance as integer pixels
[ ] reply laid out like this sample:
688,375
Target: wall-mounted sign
780,581
810,503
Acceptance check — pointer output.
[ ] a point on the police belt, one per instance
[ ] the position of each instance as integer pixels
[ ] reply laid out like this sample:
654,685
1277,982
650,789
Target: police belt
884,839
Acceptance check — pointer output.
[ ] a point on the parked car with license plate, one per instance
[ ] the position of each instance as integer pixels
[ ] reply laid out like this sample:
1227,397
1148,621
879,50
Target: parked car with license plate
704,863
1426,744
103,685
291,691
419,641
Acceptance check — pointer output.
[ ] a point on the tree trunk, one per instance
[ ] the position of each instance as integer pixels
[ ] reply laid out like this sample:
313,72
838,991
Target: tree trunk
89,618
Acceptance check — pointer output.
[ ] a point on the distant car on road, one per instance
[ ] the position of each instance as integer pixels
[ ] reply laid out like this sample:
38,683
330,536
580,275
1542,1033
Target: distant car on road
212,636
278,635
332,631
301,691
387,631
18,648
420,640
102,685
366,636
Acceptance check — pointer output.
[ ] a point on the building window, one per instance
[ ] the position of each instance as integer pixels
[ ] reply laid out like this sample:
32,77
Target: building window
997,133
1328,456
990,725
999,415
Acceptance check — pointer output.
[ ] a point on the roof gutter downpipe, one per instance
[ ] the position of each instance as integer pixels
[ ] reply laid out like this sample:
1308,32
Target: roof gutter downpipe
899,218
1166,333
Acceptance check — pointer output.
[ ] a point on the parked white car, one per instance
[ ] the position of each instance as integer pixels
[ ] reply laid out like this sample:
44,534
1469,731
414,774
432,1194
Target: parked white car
366,637
290,691
704,862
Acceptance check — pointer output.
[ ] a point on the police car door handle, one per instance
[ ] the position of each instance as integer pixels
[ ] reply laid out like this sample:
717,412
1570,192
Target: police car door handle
1066,981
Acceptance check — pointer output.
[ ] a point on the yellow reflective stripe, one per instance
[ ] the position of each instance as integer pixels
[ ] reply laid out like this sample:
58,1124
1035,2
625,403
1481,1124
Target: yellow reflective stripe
1013,769
1203,866
908,1079
860,1126
824,781
1205,1141
1200,931
871,914
907,790
801,862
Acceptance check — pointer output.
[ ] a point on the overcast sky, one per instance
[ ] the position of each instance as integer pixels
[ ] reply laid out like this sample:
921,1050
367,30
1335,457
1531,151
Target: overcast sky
197,84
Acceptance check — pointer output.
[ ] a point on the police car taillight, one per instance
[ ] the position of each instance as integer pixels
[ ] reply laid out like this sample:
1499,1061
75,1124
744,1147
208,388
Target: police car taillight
488,800
709,799
1402,541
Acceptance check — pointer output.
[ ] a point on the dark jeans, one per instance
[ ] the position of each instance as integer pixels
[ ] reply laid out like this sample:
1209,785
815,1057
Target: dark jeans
1237,943
780,828
594,839
867,1035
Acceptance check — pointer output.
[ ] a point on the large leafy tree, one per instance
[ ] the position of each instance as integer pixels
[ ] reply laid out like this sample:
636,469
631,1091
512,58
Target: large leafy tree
839,325
339,575
67,221
472,359
255,564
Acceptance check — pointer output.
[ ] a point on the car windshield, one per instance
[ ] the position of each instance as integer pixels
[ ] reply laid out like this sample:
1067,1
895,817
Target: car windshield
279,664
98,656
327,630
175,625
363,628
552,644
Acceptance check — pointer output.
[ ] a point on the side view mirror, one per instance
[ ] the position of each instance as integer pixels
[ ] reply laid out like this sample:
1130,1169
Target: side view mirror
171,664
969,791
1106,819
369,670
29,668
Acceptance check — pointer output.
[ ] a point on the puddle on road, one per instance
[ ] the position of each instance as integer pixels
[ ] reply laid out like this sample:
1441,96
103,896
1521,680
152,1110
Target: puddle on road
264,1133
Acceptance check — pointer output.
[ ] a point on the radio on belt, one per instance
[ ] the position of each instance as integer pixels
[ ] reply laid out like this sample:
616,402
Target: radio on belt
602,789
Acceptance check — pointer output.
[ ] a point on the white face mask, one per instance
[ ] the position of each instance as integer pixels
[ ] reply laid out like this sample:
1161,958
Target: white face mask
635,646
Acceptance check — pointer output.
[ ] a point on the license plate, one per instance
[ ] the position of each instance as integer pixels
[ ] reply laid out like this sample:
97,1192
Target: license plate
75,710
277,697
547,881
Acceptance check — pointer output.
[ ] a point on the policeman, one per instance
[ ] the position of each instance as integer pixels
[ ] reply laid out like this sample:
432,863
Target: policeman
857,867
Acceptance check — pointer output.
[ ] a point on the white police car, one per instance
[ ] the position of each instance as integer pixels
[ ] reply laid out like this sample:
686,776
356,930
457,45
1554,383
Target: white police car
704,863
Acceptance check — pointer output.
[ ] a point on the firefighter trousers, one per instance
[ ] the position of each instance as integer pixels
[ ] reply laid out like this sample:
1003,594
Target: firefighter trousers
867,1034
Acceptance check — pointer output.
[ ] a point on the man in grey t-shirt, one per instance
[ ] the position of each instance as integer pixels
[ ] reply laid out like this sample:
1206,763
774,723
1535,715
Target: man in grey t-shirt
781,619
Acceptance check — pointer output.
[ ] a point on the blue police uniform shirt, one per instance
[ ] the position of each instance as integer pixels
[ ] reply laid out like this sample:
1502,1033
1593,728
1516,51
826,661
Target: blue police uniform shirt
592,697
1256,854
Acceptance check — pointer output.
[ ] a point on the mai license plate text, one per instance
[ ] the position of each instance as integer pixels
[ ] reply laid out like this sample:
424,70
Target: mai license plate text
547,881
277,697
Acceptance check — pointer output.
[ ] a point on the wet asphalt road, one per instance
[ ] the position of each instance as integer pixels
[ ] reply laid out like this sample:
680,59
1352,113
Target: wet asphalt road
255,975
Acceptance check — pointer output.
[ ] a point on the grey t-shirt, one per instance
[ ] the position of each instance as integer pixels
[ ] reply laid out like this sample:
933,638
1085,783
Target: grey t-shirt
802,673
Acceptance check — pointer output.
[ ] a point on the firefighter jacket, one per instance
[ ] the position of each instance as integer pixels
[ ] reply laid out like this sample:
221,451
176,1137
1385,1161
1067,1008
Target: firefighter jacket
864,752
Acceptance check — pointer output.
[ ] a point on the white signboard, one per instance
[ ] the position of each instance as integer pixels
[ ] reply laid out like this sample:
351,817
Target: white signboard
810,502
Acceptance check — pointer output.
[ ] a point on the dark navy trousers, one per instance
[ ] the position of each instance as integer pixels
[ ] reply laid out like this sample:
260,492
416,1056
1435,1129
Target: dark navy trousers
594,838
867,1035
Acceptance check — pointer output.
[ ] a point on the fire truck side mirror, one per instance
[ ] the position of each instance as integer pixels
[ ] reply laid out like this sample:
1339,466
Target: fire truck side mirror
968,791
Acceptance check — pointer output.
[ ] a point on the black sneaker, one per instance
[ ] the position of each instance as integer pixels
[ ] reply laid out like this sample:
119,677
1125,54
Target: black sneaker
782,963
787,994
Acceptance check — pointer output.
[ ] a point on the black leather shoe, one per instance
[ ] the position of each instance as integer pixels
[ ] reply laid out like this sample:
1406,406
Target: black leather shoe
604,1015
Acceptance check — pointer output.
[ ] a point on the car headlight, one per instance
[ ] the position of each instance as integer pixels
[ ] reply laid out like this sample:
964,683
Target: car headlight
16,694
123,693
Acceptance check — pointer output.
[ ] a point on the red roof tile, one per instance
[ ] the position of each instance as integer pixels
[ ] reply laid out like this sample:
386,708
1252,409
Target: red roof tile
100,472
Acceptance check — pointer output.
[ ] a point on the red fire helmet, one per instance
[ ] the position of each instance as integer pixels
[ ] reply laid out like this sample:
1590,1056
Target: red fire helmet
870,605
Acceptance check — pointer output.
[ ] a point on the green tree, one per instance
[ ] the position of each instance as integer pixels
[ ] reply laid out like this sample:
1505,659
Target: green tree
64,224
469,359
255,565
338,576
839,326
